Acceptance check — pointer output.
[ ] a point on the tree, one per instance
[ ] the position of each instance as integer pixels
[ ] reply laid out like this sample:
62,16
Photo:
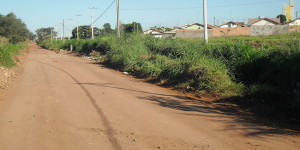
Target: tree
107,29
13,28
32,36
45,33
133,27
168,29
122,27
157,28
85,32
282,18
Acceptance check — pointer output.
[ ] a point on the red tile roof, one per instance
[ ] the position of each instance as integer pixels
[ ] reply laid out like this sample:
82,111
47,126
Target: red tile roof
274,20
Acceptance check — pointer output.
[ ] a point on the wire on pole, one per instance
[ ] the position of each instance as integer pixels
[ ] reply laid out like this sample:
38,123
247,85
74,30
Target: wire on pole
63,30
199,7
69,28
103,12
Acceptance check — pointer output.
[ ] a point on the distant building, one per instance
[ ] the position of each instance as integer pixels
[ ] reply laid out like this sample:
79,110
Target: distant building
264,21
284,9
289,11
295,22
292,9
197,26
232,24
154,32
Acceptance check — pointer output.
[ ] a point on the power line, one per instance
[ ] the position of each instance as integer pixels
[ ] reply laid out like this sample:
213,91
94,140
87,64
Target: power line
69,28
63,25
66,28
58,28
103,12
200,7
161,8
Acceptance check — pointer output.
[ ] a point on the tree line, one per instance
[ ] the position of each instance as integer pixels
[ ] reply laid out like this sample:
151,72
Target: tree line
85,31
14,28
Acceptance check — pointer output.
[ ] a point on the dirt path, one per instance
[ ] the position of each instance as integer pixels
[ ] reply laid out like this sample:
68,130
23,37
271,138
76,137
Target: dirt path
66,103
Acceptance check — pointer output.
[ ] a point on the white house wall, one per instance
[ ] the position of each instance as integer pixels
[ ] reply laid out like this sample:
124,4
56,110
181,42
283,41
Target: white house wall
296,22
224,26
228,26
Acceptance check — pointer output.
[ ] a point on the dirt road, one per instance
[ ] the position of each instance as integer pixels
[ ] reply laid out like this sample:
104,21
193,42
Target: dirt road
67,103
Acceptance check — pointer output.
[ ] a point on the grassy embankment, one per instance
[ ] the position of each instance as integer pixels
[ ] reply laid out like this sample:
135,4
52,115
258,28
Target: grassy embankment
8,52
262,69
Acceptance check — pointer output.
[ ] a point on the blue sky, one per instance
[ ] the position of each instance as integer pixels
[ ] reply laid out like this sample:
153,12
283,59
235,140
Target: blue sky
46,13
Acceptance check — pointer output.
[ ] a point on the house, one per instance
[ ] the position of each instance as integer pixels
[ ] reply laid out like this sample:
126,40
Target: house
264,21
295,22
232,24
155,32
169,34
196,26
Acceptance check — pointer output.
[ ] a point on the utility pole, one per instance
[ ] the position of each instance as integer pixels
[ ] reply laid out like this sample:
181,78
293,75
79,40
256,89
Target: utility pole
56,30
118,21
134,26
92,22
69,28
51,35
77,27
214,21
205,21
63,30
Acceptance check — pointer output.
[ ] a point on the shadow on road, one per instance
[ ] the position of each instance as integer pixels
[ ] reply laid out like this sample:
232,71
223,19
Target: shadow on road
211,111
109,129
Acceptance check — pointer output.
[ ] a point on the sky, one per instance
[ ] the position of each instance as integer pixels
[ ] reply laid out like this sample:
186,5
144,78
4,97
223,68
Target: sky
48,13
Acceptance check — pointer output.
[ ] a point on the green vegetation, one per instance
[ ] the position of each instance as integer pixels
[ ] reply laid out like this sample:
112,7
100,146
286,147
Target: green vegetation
45,33
266,69
133,27
13,37
8,52
85,32
3,41
107,29
282,18
14,29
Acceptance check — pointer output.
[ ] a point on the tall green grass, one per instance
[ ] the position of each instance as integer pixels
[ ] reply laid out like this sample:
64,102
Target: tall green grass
266,68
8,52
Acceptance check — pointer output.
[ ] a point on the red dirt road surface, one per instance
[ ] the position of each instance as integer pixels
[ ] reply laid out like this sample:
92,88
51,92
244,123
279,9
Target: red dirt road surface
63,102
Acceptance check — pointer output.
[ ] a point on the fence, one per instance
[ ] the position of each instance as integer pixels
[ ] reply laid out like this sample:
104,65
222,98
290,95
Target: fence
239,31
269,30
197,33
294,28
231,31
